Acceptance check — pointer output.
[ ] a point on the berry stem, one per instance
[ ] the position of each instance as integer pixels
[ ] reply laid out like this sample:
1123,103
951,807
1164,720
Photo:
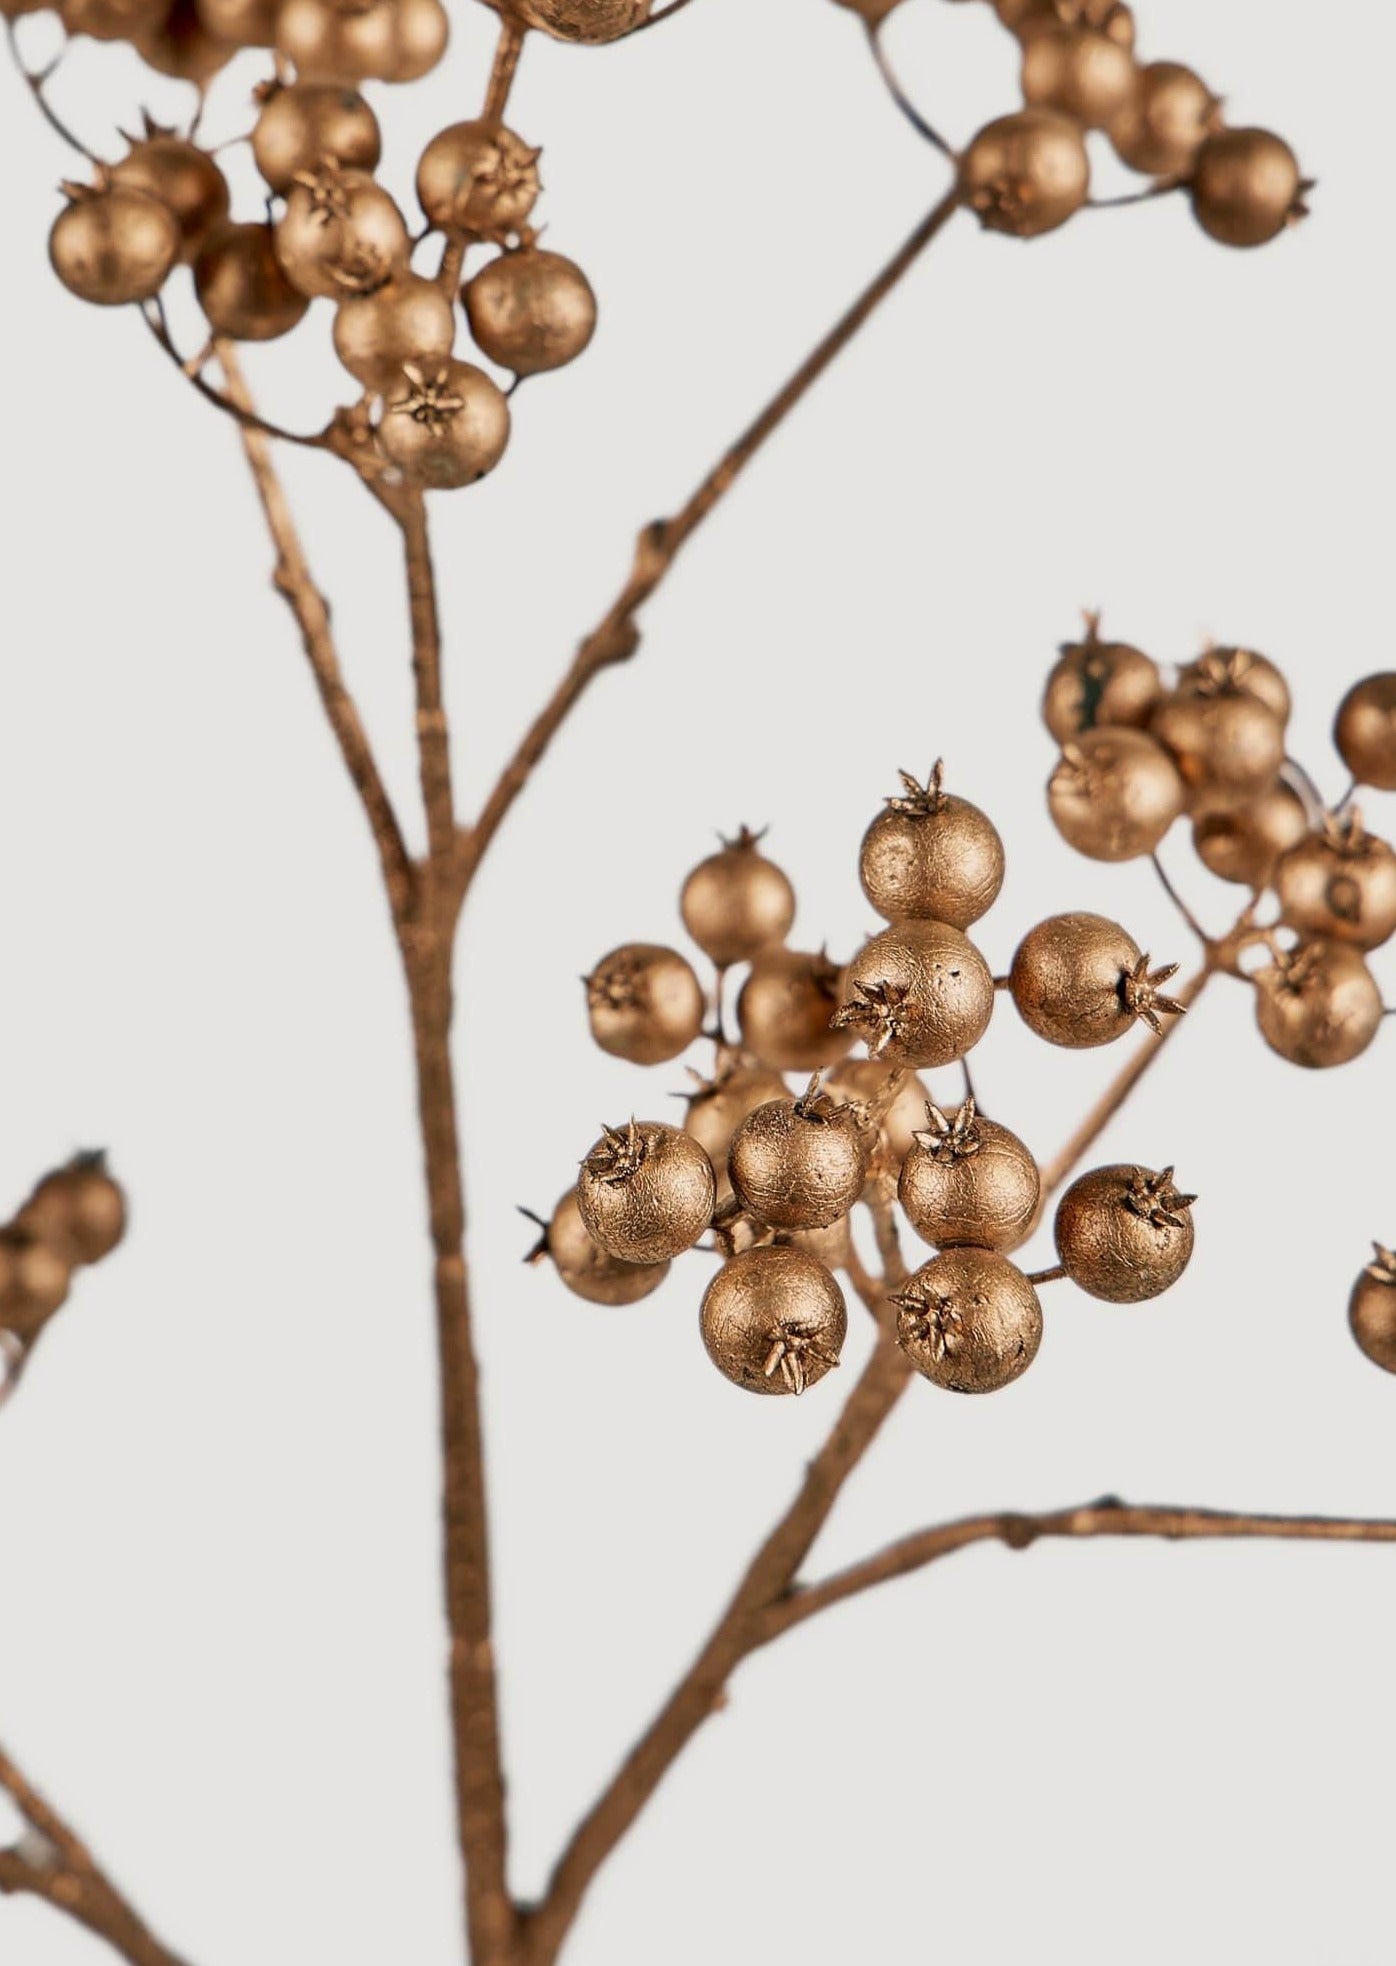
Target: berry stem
235,403
1054,1275
506,65
1178,902
36,80
898,93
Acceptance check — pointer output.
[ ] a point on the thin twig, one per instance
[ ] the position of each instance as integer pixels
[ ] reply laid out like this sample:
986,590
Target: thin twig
507,50
433,737
155,318
1178,902
617,636
654,19
53,1864
1108,1517
898,93
1301,781
294,582
1160,190
36,81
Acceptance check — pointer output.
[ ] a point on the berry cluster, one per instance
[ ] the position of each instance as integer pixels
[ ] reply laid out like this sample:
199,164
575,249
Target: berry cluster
75,1216
330,231
1139,752
1030,172
774,1175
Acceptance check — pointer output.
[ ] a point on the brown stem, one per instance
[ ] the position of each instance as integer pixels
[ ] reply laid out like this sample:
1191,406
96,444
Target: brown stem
479,1770
424,920
617,636
433,735
293,581
507,50
53,1864
1107,1517
767,1578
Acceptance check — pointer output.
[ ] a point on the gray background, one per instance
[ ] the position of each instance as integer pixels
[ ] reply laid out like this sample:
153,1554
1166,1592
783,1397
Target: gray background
219,1643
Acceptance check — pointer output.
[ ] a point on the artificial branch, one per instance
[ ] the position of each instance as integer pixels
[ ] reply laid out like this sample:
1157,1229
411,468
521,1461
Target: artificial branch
1107,1517
737,1632
294,582
51,1863
617,636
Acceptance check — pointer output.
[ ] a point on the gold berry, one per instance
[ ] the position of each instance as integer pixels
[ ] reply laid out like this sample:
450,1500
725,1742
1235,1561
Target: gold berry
737,902
931,856
969,1320
786,1007
966,1179
1124,1233
646,1192
530,310
645,1003
799,1163
773,1320
919,994
1079,980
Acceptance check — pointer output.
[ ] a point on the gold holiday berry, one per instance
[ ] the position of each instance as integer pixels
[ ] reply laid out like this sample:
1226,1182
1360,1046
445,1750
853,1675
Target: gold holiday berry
782,1182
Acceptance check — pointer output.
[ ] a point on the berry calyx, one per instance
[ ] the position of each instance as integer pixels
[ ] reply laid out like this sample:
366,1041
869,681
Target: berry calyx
645,1003
478,178
446,428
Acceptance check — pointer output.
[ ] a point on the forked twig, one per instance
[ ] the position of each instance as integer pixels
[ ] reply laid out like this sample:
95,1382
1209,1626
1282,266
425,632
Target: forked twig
51,1862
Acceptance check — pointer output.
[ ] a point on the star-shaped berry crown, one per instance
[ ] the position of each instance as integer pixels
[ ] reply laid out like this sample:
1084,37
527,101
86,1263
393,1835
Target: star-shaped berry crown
1382,1268
876,1012
1141,992
618,1155
918,801
430,400
1155,1199
949,1137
